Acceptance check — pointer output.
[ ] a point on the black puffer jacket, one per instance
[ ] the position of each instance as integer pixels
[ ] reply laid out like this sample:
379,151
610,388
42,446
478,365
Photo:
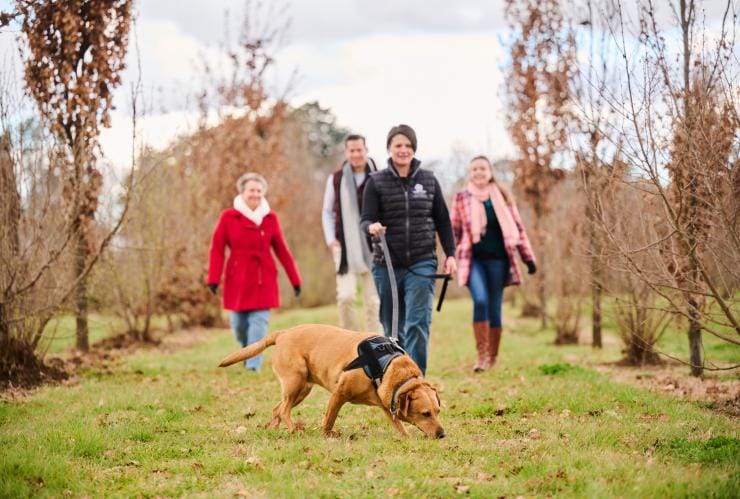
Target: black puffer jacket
412,210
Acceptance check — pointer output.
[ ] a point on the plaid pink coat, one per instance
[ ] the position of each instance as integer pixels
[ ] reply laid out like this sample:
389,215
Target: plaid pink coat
460,216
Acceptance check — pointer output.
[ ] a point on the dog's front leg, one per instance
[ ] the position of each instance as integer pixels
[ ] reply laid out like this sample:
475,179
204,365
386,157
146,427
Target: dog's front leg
336,401
397,424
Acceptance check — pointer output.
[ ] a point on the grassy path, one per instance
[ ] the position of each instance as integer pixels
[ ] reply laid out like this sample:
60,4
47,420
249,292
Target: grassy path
537,425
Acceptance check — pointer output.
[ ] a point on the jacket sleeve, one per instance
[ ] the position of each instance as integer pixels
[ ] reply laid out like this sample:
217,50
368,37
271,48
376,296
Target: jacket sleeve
456,218
328,221
523,246
280,247
370,206
216,256
441,217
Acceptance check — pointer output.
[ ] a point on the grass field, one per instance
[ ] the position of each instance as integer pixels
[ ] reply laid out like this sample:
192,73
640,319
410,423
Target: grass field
541,423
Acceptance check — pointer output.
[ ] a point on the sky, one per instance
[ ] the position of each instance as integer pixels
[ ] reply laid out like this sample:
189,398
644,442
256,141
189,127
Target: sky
433,64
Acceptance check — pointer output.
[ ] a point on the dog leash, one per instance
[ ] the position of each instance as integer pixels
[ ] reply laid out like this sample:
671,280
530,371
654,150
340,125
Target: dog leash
394,288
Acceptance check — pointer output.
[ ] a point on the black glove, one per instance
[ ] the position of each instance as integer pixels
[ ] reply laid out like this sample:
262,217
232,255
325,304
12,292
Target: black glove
213,288
297,290
531,267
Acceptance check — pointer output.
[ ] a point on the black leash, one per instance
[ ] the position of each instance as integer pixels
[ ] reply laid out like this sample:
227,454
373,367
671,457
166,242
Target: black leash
394,290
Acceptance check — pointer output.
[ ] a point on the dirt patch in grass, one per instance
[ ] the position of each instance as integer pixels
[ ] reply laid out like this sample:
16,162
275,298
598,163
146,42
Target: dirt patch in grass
722,395
24,379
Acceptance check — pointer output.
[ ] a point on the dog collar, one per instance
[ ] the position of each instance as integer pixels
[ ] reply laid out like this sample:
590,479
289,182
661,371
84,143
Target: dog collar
394,398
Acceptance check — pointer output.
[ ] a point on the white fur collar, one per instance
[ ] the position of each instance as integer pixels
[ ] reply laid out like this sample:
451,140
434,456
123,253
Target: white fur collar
255,216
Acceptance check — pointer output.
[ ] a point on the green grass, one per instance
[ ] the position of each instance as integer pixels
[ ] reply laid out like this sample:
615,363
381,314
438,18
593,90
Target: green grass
59,333
539,424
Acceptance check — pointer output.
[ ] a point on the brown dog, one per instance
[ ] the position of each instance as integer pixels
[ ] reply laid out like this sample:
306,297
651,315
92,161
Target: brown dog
317,354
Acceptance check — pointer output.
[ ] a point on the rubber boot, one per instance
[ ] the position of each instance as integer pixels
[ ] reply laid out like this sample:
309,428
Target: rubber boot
494,340
480,330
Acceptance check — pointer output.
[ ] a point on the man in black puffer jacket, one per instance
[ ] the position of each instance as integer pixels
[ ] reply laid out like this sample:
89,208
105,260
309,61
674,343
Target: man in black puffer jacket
407,203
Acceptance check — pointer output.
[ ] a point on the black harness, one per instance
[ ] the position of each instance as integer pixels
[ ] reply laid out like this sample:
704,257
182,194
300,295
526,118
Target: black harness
374,355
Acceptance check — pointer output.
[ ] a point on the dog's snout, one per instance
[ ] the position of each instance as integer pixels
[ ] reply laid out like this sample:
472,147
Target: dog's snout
440,433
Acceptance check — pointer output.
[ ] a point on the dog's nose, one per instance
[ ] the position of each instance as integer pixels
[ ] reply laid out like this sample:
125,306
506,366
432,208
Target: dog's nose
440,433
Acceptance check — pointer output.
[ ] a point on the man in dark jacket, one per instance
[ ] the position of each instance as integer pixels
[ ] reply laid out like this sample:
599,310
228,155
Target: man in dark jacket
350,247
407,203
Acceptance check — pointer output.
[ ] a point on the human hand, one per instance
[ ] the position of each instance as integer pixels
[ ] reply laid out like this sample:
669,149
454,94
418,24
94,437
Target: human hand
213,288
297,290
531,267
374,229
450,265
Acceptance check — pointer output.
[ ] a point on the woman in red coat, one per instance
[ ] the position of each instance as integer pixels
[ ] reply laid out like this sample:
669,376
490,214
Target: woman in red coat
250,229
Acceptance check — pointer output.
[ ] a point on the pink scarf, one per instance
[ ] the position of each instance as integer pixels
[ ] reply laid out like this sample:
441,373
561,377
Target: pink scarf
478,221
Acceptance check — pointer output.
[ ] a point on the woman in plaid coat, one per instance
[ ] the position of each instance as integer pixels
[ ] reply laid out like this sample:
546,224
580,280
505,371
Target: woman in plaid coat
488,233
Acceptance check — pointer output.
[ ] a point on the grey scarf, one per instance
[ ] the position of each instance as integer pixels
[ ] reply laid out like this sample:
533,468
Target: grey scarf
358,253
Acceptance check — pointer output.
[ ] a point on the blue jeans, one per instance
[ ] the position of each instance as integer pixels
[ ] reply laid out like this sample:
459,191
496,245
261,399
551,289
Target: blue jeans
250,326
486,283
415,297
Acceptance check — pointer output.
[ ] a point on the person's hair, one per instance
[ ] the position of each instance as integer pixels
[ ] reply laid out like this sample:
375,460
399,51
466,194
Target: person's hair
504,191
250,177
404,130
354,136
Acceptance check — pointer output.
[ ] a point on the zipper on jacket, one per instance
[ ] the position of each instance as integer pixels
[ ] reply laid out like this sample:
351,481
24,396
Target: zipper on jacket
408,226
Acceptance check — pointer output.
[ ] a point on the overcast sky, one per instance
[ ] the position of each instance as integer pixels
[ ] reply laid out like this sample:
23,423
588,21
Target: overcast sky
434,64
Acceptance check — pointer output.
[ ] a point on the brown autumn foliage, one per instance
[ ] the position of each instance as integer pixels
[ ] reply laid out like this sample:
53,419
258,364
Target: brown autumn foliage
159,265
48,135
74,52
542,65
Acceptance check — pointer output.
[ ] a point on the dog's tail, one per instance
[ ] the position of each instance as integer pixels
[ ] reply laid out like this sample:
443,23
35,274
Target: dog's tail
247,352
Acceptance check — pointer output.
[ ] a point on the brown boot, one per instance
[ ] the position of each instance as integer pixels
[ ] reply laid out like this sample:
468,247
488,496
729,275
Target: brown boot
480,329
494,340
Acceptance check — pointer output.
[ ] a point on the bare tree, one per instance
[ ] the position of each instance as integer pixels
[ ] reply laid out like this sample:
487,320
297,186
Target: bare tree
542,64
74,54
675,127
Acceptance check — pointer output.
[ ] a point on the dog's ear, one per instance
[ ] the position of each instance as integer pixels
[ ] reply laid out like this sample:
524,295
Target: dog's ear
436,393
405,403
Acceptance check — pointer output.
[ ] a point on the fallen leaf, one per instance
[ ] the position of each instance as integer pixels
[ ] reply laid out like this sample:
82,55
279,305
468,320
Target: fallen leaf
462,489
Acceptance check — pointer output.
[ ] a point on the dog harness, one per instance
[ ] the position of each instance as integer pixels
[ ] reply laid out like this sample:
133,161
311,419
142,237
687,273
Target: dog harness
374,355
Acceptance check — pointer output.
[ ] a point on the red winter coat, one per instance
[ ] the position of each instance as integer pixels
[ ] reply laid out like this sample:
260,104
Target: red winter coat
251,279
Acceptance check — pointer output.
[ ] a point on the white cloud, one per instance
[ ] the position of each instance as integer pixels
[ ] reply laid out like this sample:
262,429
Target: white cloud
445,86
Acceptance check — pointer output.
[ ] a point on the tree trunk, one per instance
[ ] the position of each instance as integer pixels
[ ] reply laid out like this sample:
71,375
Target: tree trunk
695,346
596,315
595,285
687,13
539,277
4,326
9,225
83,334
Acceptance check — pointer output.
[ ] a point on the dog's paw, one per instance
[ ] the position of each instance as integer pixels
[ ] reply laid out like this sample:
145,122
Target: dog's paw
331,434
273,423
299,426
